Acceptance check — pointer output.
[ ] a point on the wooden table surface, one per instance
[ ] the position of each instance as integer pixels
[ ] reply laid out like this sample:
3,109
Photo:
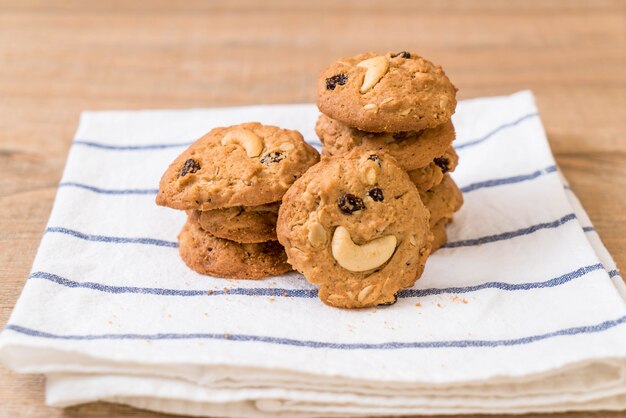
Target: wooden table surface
59,58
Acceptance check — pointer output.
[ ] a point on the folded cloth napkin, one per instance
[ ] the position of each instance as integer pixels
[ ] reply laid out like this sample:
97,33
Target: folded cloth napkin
523,310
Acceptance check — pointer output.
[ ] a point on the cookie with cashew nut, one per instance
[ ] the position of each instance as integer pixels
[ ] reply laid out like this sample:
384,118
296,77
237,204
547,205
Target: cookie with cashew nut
386,93
425,178
412,150
243,165
207,254
243,224
355,226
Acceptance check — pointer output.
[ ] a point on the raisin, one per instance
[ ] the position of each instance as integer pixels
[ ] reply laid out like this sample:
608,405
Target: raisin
190,166
272,157
376,159
376,194
443,163
332,82
402,54
349,203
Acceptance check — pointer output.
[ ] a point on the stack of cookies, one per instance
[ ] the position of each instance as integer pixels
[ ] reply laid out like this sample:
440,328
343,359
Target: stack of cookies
401,104
231,182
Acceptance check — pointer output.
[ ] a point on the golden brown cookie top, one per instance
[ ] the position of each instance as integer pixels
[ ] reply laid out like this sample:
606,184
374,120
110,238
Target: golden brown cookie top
249,164
386,93
355,225
412,149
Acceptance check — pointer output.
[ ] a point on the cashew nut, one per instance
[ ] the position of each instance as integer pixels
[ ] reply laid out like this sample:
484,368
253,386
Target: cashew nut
251,142
364,257
376,68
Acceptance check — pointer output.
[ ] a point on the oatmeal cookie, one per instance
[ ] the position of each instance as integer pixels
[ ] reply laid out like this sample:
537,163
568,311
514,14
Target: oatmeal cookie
355,226
386,93
218,257
242,165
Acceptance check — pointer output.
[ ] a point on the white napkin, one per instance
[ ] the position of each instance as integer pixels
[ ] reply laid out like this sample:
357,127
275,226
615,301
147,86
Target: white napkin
520,312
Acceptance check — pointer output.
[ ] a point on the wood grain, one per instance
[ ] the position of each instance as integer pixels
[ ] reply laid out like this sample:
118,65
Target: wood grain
59,58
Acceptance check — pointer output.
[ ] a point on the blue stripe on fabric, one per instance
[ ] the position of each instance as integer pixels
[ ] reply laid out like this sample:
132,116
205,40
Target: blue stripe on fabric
508,180
510,287
279,292
312,293
511,234
145,147
130,147
391,345
588,228
108,191
495,131
454,244
614,273
111,147
116,240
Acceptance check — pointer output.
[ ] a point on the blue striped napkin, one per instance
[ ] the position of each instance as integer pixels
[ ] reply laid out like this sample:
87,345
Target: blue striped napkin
523,310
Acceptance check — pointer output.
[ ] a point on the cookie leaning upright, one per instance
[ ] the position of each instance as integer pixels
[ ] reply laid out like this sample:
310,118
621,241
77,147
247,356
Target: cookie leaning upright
248,164
386,93
355,225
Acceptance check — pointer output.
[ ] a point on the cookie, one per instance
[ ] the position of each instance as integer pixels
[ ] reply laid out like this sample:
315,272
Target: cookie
412,150
427,177
218,257
355,226
442,200
243,224
440,236
242,165
386,93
